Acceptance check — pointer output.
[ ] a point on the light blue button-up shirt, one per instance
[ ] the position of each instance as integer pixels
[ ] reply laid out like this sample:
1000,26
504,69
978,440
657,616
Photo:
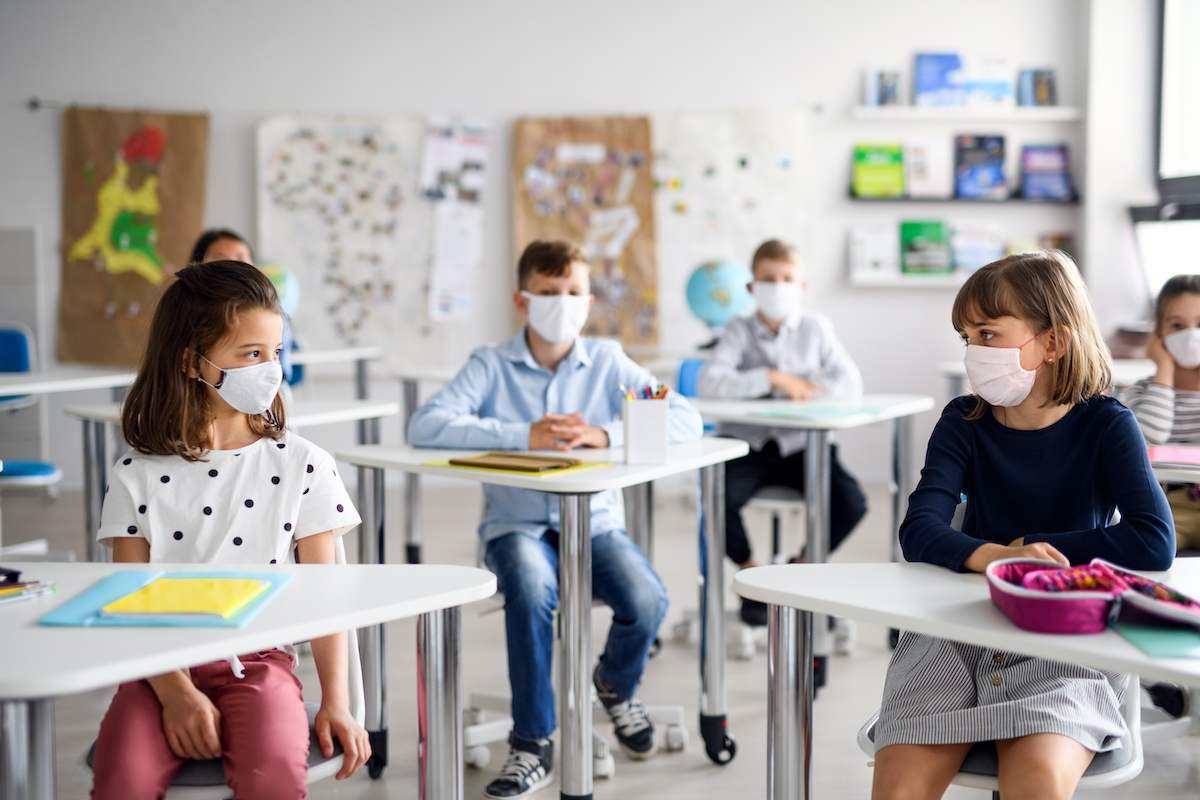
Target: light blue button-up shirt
502,390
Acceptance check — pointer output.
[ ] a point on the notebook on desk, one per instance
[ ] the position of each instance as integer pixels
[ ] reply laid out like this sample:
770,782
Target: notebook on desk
516,462
1170,455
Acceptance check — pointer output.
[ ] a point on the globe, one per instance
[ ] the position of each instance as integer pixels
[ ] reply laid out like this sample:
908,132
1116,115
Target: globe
287,286
716,292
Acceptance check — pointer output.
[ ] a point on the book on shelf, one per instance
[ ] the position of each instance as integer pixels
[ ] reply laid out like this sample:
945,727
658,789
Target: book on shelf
881,87
874,252
925,247
878,170
938,80
1046,172
973,246
988,82
1036,87
979,168
929,169
1061,240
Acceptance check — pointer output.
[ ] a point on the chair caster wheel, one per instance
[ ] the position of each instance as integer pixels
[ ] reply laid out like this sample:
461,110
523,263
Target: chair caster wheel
604,767
379,751
681,631
478,756
718,744
374,768
677,738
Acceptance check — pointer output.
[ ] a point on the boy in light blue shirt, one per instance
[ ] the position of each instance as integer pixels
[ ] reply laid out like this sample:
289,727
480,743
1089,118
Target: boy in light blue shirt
550,388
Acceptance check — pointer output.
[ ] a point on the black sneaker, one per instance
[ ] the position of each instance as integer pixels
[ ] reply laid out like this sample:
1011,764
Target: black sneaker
530,766
754,613
631,722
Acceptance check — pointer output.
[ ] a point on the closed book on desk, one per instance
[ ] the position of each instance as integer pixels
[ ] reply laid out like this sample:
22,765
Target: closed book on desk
170,600
516,462
1173,455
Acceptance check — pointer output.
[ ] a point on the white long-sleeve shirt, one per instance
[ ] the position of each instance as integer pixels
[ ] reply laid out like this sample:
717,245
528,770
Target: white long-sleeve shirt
1165,414
805,347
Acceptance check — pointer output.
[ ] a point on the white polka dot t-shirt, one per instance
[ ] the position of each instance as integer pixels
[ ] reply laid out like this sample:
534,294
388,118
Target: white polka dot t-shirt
242,506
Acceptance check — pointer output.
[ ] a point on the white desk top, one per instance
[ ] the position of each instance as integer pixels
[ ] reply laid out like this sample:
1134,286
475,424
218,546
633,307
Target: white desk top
341,355
42,661
1125,370
63,380
299,414
1176,474
681,458
431,374
935,601
874,408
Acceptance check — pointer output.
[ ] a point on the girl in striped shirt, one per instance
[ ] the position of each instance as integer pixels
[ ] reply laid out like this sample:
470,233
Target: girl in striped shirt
1167,405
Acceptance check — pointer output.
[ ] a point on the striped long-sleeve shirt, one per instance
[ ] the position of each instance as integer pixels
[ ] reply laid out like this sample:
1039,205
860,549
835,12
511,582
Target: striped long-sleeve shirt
1166,415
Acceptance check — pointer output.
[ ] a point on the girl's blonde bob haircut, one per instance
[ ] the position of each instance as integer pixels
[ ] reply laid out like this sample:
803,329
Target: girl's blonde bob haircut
1045,290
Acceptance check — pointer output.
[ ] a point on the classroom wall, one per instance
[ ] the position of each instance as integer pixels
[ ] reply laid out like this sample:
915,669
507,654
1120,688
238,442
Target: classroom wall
243,61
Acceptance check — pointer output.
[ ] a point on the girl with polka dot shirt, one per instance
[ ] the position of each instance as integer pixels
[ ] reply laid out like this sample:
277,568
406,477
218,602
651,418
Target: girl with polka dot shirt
214,477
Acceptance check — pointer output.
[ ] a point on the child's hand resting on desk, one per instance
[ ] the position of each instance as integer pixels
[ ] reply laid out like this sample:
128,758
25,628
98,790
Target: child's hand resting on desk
986,554
565,432
793,387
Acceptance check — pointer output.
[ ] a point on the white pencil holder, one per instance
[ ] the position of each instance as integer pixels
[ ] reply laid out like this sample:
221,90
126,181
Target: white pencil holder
645,431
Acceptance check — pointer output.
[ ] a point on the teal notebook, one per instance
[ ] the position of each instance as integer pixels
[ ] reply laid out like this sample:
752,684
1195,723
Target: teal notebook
1161,641
83,610
815,413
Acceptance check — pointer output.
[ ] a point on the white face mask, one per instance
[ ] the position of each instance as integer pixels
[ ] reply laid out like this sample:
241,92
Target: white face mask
1184,347
557,318
996,374
777,300
249,389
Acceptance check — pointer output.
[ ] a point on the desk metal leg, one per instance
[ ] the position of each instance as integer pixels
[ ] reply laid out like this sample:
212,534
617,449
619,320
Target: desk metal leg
27,749
412,483
639,516
816,499
439,704
575,664
714,724
95,480
902,475
789,704
370,640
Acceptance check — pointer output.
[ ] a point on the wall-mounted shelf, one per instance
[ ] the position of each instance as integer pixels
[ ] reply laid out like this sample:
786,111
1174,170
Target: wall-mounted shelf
965,114
964,200
907,280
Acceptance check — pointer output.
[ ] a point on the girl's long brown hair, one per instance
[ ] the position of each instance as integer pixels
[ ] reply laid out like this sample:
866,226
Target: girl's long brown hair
1046,290
166,412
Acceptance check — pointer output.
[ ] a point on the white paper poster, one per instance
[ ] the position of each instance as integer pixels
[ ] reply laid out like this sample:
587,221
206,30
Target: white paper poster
453,173
725,181
339,207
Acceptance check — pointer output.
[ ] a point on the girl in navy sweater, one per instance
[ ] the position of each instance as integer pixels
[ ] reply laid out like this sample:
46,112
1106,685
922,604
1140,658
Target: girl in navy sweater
1045,459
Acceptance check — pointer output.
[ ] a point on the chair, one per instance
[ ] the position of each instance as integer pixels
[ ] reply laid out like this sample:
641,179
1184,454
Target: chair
205,780
980,767
17,354
26,475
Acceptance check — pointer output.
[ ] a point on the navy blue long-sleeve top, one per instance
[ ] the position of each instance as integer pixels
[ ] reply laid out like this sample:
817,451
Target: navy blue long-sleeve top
1058,485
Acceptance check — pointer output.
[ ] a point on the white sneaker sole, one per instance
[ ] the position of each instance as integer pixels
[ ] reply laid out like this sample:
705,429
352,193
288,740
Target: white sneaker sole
636,756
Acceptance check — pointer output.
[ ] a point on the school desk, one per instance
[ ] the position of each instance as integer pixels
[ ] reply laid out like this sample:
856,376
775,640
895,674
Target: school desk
920,598
575,578
41,663
1126,371
67,379
98,416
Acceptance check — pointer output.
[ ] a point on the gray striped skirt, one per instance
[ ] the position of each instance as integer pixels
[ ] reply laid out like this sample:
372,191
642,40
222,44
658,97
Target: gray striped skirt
943,692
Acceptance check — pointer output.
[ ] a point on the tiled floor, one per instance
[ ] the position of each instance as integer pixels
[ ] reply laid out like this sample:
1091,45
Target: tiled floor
451,514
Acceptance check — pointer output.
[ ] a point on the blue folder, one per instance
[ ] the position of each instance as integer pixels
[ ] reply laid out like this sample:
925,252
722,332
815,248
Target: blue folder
84,609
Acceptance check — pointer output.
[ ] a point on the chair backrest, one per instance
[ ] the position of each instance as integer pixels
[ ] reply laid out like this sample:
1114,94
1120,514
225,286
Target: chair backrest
689,372
16,348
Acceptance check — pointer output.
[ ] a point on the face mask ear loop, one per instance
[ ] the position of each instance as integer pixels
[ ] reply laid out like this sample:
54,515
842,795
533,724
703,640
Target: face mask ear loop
220,379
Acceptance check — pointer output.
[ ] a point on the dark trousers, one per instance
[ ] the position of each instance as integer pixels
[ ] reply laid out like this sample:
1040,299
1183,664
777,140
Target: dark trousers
766,467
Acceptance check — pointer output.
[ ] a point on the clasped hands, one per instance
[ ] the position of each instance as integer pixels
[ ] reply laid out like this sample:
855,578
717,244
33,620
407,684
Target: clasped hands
565,432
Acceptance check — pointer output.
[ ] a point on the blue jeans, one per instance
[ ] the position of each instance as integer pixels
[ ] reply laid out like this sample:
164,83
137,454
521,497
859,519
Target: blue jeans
527,571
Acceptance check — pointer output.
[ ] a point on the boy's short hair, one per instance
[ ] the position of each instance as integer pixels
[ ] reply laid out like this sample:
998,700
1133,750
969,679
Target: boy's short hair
552,258
775,250
1176,287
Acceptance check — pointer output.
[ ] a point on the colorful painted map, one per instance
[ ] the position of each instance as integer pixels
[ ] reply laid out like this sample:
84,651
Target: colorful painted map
133,204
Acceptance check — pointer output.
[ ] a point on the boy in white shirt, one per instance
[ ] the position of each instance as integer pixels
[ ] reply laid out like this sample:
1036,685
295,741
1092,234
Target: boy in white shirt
780,351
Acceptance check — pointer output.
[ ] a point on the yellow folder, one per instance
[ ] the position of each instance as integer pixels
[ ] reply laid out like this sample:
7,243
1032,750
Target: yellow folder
189,597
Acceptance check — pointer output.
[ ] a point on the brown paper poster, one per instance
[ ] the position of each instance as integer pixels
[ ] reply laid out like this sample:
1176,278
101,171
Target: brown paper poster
587,180
133,205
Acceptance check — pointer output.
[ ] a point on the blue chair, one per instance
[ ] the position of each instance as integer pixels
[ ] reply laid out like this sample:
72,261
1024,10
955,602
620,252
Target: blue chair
16,355
689,372
25,475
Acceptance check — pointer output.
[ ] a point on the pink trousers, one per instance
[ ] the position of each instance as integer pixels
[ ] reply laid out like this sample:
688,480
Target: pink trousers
264,734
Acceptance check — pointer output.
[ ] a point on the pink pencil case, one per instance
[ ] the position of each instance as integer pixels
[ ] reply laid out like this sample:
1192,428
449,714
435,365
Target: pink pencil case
1045,597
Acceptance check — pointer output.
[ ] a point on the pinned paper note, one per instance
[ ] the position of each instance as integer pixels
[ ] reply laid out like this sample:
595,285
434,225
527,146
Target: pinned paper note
575,152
